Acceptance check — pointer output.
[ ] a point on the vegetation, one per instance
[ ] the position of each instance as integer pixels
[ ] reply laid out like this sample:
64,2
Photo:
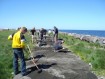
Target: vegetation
89,52
6,55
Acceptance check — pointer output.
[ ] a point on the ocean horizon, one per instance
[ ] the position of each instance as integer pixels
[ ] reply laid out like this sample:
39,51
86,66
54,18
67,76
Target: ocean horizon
99,33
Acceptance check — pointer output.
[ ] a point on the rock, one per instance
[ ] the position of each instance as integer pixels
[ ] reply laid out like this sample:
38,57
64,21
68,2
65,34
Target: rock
77,36
101,41
85,38
88,38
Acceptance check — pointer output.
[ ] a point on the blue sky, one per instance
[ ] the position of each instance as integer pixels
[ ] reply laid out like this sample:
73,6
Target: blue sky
64,14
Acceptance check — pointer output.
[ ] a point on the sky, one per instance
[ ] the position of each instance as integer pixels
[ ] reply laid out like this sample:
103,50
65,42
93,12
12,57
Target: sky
64,14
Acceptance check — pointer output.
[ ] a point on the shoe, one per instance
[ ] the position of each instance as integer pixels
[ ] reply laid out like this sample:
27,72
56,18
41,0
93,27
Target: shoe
26,73
17,73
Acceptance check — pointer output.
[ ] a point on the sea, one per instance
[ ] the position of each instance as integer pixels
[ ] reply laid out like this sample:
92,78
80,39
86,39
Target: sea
99,33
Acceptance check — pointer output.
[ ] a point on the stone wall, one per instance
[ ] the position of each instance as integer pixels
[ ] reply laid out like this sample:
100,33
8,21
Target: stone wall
88,38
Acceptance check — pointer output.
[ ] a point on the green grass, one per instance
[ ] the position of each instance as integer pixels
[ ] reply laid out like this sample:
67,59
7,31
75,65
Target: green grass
89,52
6,54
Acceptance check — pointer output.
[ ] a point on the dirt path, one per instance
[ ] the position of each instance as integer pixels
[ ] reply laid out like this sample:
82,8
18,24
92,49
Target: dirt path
57,65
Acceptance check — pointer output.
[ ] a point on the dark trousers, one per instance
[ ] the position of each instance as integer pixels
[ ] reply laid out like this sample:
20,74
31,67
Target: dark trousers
18,54
41,36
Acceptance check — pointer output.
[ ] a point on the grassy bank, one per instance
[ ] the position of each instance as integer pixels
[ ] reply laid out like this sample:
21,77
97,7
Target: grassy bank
89,52
6,55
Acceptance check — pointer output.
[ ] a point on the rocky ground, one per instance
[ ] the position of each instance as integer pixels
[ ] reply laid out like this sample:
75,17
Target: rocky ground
56,65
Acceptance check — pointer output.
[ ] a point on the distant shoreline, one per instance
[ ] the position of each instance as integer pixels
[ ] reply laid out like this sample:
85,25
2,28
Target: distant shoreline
99,33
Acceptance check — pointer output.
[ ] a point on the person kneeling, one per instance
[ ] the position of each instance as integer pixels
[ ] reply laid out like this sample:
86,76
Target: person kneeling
58,45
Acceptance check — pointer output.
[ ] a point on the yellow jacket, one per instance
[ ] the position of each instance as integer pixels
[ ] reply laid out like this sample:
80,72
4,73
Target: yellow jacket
18,40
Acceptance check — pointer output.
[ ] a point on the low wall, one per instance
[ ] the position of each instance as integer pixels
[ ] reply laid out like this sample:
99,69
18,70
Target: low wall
88,38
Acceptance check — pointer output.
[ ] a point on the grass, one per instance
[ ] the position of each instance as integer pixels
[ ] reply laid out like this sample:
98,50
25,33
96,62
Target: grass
6,54
89,52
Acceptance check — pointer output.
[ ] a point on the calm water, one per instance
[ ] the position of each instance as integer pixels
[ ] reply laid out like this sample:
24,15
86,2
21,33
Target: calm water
99,33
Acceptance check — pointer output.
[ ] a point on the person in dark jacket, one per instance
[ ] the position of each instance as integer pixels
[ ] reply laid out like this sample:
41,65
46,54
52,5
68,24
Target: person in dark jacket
33,33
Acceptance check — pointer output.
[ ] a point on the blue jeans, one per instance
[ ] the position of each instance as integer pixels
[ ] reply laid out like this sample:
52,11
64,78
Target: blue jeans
18,54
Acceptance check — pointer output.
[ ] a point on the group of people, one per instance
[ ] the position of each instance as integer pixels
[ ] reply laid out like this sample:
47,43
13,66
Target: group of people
18,44
41,33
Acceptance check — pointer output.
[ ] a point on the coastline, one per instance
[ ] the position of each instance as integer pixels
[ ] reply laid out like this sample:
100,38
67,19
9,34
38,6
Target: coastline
87,38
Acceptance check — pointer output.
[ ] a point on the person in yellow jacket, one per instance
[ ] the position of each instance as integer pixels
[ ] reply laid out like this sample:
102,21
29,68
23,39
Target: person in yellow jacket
18,44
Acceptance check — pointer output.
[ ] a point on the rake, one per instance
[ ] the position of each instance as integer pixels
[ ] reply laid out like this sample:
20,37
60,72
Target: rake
33,60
